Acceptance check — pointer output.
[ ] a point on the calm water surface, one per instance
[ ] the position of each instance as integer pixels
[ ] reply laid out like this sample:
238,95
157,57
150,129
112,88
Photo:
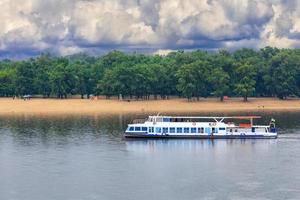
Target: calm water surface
85,157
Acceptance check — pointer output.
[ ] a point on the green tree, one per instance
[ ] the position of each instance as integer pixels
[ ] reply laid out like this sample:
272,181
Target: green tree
43,64
220,81
193,79
223,76
7,82
283,74
117,81
25,75
84,79
141,83
246,80
62,79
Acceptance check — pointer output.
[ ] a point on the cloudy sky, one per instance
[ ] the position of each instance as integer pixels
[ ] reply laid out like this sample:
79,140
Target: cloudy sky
29,27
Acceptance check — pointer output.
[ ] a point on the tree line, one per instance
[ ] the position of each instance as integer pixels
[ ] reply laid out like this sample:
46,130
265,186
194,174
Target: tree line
268,72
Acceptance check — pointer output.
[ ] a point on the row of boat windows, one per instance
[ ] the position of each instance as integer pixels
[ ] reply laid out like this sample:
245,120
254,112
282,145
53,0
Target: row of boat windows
176,130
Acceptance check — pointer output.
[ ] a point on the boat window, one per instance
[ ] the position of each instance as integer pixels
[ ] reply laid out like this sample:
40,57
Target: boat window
144,128
253,129
207,130
186,130
166,119
151,129
222,129
193,130
165,130
213,130
230,130
131,128
137,128
179,130
158,130
200,130
172,130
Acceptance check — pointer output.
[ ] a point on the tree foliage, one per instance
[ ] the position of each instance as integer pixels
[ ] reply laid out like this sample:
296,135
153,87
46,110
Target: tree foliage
245,72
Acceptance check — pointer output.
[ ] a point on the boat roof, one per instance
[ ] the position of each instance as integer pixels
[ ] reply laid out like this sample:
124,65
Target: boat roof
207,117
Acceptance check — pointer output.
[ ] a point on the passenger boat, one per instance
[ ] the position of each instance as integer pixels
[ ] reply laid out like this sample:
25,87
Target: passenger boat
200,127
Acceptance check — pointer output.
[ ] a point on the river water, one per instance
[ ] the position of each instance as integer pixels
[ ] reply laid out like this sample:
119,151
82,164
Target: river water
85,158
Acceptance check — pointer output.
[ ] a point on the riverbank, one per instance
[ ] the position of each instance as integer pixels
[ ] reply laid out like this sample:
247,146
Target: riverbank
8,106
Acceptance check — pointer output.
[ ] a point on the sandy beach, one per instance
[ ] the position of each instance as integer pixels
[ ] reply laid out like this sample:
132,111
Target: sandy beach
8,106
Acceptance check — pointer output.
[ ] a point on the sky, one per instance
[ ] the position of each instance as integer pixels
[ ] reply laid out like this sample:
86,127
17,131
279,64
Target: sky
64,27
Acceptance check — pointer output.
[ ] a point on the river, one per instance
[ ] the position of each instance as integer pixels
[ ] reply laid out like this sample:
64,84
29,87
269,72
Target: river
86,158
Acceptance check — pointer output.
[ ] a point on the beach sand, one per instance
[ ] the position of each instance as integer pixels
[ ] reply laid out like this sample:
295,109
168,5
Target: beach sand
8,106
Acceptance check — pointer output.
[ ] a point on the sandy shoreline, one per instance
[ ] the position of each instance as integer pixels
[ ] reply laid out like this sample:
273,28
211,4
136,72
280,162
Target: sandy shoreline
8,106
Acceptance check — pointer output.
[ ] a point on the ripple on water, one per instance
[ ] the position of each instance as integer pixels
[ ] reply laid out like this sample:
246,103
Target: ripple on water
85,157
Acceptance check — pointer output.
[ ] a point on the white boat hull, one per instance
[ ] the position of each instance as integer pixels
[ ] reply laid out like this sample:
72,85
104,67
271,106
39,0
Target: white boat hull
257,136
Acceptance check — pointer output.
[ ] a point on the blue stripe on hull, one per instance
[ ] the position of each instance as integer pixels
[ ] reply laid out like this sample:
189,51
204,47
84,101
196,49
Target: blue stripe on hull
200,136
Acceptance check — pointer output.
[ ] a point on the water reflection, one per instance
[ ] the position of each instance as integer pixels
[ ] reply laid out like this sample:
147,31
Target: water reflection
60,130
26,129
187,145
65,124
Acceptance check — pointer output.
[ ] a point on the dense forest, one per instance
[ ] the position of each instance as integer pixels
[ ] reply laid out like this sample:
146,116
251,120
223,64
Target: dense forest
267,72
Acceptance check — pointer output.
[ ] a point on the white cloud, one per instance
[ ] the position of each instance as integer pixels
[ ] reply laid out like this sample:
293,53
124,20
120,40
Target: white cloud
70,26
163,52
284,28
